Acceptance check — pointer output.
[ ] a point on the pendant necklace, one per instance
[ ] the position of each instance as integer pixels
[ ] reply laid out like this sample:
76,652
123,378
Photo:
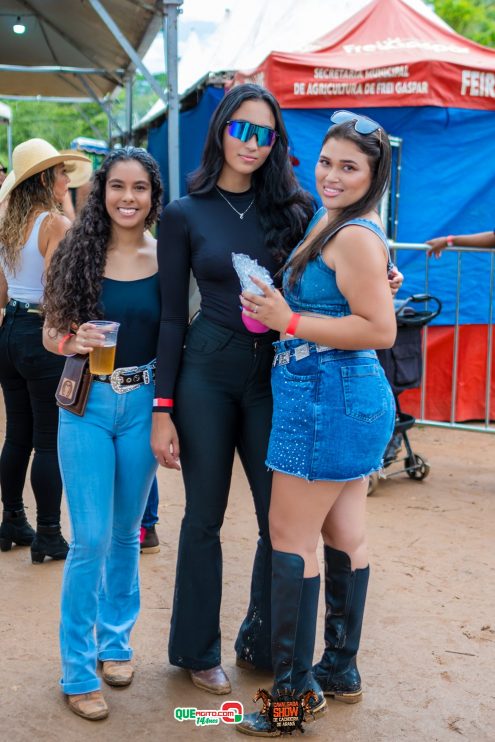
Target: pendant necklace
240,213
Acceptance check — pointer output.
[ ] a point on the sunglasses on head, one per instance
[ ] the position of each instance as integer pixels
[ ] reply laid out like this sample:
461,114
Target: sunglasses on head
362,124
243,130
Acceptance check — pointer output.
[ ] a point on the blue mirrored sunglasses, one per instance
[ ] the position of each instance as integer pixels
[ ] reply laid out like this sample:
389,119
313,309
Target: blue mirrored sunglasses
243,130
362,124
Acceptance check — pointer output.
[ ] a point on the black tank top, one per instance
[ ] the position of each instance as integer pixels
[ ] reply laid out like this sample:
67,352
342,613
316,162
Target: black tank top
136,305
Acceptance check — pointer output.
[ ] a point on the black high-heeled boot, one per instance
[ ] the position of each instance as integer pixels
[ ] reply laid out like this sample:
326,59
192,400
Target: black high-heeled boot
345,598
15,529
294,612
253,643
48,542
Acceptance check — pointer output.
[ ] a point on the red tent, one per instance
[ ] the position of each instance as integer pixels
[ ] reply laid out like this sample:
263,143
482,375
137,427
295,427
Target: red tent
386,55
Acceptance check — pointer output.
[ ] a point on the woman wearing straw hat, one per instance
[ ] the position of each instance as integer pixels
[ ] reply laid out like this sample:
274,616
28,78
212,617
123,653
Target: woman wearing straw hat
79,184
30,229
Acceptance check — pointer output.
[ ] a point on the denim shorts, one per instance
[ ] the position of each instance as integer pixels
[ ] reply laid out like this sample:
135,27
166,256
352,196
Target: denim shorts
334,412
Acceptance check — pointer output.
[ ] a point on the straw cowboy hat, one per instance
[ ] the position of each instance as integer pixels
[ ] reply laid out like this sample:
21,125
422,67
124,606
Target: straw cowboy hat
79,172
31,157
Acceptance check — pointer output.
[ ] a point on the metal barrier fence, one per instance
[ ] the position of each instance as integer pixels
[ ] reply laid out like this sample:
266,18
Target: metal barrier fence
487,426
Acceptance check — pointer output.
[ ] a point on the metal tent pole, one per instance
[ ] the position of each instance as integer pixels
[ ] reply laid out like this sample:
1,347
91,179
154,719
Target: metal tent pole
171,11
128,110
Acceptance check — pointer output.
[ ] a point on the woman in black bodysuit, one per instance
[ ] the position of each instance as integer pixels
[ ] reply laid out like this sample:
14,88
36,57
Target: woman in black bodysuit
244,198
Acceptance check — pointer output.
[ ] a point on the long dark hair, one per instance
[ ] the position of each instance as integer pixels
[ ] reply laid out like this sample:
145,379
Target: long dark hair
283,207
376,146
74,278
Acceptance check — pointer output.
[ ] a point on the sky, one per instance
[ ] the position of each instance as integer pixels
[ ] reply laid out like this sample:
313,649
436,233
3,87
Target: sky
193,11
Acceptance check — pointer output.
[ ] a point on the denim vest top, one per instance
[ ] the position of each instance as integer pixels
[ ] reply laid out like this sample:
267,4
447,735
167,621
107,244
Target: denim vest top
316,289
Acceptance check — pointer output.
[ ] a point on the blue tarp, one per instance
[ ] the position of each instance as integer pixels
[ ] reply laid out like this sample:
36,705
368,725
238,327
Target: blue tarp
193,128
447,185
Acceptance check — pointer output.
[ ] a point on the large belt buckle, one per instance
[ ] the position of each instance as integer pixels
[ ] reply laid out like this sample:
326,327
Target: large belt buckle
117,380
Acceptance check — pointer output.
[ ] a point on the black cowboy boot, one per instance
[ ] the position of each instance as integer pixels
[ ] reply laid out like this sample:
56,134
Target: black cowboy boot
253,643
15,529
345,597
48,542
294,611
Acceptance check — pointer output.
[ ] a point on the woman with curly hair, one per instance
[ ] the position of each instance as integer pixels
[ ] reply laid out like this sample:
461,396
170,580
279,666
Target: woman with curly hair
30,229
106,268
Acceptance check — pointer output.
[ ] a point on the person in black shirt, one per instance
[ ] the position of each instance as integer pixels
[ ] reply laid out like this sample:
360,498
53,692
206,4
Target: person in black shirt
245,199
106,268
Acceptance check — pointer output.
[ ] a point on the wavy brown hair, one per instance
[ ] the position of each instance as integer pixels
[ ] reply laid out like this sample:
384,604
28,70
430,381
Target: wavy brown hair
32,195
376,146
74,278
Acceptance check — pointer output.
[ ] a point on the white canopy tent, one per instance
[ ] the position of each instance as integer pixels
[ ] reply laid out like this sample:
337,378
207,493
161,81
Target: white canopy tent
250,31
83,50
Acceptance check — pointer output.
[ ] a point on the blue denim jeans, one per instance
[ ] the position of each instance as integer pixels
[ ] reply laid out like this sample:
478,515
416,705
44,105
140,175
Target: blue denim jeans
107,469
150,517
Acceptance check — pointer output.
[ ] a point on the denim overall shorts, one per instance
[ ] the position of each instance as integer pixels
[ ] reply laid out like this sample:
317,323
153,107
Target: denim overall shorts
334,410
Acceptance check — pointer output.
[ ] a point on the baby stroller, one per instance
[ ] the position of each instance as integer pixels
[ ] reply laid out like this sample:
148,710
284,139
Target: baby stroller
403,368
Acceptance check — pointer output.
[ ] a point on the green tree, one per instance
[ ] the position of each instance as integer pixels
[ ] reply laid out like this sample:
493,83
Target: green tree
474,19
60,123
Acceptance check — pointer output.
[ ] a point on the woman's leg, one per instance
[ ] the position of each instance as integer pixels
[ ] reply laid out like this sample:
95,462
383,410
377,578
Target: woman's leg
135,468
87,462
18,444
346,582
14,461
206,423
150,515
253,643
297,512
45,472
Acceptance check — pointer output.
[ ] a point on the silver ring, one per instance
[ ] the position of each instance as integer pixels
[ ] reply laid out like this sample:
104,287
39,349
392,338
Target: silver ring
255,310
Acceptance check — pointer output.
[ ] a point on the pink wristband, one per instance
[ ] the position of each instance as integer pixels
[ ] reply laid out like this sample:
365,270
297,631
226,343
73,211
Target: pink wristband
450,240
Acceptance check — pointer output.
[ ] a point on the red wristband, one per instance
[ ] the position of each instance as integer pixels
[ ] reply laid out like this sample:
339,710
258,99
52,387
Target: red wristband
292,326
62,342
450,240
160,402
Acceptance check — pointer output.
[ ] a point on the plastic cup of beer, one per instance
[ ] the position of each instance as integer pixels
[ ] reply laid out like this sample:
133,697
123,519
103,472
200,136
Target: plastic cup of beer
102,358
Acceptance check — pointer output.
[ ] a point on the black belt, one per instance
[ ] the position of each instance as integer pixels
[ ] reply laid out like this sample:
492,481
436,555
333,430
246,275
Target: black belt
124,380
25,305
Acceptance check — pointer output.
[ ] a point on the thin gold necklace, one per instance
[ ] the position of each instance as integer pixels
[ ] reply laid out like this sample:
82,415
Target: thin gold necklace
240,213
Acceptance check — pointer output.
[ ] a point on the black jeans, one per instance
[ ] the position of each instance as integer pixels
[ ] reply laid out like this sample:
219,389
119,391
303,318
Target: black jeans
223,403
29,376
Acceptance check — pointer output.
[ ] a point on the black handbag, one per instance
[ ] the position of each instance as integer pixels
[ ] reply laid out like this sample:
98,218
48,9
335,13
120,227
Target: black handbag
74,385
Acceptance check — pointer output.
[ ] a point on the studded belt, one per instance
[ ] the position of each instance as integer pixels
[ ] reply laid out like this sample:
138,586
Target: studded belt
28,306
126,379
298,353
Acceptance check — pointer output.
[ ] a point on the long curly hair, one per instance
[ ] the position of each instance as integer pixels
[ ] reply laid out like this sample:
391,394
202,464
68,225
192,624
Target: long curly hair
32,195
74,278
376,146
283,207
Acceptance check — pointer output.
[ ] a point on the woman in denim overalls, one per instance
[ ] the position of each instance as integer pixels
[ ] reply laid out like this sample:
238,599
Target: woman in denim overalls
333,415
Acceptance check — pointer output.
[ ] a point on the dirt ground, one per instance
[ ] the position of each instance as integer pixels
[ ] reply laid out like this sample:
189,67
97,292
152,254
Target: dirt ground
428,646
